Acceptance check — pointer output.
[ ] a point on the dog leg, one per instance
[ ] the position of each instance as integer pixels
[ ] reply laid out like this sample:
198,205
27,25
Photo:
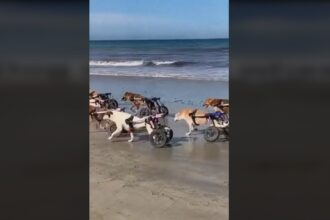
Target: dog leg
191,128
115,133
195,128
132,137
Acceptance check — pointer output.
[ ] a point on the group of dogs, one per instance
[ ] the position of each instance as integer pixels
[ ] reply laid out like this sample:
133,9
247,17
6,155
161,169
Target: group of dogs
128,122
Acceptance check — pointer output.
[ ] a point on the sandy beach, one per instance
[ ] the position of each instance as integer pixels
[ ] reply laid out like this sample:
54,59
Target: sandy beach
187,179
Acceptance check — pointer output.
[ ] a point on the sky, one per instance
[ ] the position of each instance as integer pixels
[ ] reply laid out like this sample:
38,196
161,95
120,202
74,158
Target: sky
158,19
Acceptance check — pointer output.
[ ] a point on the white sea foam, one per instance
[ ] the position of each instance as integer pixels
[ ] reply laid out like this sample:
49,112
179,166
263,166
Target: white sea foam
130,63
116,63
163,62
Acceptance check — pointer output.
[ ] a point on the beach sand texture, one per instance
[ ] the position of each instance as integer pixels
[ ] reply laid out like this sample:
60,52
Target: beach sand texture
186,180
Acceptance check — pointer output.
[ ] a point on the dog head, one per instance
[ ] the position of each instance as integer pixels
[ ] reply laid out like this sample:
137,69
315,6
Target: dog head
93,95
128,96
125,96
208,102
107,115
214,102
177,116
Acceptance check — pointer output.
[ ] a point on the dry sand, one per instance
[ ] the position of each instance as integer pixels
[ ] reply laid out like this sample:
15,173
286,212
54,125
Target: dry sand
186,180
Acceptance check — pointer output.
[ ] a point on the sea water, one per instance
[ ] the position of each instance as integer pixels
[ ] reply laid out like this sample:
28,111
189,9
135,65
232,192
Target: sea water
182,59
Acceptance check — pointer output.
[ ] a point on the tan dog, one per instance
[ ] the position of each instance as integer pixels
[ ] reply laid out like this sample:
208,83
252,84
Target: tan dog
222,104
136,99
93,95
185,114
95,103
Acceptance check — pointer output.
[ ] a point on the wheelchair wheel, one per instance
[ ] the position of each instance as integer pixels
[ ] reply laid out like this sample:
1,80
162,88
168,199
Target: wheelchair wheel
112,104
158,138
211,134
164,110
169,134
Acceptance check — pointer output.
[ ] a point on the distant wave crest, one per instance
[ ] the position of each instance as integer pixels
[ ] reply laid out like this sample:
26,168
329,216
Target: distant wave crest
139,63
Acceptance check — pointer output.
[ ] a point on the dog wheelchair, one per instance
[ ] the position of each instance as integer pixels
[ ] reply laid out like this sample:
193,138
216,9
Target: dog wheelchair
161,134
159,137
108,101
219,125
153,106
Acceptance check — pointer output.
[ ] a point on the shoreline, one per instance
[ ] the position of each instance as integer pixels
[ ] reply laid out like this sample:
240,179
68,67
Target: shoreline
187,92
161,77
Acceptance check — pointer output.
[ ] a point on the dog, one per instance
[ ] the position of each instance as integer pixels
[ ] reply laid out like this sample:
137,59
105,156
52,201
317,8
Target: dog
126,121
218,104
94,105
136,99
93,94
186,115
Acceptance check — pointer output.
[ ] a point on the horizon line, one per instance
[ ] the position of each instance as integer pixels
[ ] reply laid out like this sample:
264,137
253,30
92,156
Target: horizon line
162,39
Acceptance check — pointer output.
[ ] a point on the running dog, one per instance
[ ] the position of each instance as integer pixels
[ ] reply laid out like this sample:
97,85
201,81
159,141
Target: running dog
127,122
94,104
136,99
186,115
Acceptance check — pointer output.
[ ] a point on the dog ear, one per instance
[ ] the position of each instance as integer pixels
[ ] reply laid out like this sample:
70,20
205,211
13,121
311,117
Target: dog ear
214,102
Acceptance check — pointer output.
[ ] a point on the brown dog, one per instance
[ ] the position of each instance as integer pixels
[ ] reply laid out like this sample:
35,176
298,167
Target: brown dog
136,99
93,95
223,104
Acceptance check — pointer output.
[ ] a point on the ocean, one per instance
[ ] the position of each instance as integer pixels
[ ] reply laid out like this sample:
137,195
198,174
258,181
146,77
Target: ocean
180,59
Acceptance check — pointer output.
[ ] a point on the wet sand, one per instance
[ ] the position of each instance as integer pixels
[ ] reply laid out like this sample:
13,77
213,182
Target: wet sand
188,92
186,180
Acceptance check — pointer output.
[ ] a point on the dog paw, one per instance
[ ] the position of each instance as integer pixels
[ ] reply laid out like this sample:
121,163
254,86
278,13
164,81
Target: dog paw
131,140
188,134
109,138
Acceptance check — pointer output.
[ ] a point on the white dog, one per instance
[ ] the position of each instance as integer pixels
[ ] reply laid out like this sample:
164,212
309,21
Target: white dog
120,119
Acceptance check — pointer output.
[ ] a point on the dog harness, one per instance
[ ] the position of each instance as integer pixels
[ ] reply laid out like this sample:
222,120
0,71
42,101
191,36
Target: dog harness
193,116
215,115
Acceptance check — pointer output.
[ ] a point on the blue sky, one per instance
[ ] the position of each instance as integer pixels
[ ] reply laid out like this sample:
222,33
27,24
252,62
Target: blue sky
158,19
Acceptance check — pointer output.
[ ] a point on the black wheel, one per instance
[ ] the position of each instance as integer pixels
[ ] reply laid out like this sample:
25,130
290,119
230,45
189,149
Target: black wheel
109,126
169,134
211,134
164,110
226,131
158,138
112,104
144,112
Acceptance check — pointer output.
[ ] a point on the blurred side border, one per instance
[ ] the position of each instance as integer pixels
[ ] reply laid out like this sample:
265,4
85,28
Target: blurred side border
279,92
44,128
279,167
